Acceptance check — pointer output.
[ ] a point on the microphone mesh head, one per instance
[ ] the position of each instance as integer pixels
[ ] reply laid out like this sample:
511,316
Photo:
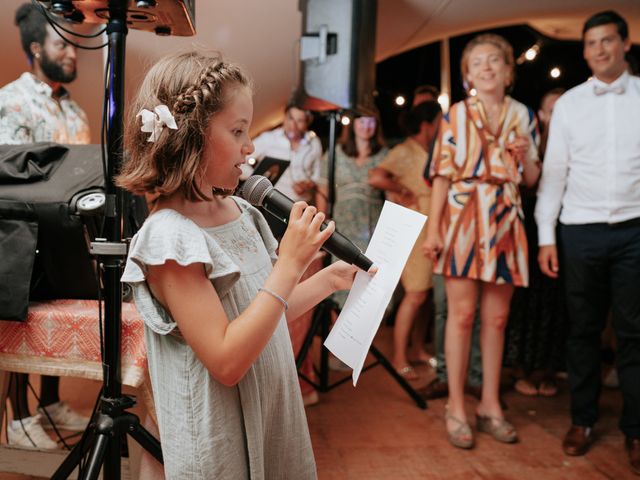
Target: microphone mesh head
255,189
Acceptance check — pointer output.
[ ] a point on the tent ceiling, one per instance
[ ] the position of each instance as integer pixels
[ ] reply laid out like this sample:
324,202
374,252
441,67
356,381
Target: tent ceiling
407,24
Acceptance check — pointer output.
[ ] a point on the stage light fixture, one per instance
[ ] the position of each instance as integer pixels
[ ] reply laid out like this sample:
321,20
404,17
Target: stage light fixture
145,3
61,7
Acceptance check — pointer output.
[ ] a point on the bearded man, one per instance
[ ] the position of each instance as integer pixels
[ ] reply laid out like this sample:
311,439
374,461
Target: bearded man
37,108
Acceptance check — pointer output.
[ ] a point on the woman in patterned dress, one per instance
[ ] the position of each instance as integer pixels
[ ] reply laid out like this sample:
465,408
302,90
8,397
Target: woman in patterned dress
475,236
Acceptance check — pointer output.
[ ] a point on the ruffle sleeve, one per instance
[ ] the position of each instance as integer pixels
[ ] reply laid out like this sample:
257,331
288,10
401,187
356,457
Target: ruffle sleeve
167,235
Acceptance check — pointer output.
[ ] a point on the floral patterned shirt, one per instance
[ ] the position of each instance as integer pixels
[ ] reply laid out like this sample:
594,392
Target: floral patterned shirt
29,113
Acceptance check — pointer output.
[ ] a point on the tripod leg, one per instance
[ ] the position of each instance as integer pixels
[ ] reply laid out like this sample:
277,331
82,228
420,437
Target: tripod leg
401,381
112,460
75,456
308,340
96,458
325,326
146,440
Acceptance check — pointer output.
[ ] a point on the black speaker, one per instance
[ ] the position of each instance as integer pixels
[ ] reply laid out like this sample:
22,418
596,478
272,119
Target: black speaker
49,211
338,54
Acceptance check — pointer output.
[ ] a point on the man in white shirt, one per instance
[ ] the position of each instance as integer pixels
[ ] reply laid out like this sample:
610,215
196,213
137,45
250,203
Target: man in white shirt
591,180
294,142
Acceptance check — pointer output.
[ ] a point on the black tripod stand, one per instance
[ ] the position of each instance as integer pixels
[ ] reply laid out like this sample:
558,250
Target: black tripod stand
324,312
108,428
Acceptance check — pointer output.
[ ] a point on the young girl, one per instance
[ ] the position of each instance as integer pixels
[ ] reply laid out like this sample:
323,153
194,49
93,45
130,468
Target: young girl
207,282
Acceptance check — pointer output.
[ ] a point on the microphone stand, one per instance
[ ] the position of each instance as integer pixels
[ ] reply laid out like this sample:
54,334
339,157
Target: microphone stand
107,430
323,314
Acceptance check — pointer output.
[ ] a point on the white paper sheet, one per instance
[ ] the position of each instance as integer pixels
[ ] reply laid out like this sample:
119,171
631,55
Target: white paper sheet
390,245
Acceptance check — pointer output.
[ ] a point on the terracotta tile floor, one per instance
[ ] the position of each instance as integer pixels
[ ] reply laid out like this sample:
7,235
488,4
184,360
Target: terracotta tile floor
375,431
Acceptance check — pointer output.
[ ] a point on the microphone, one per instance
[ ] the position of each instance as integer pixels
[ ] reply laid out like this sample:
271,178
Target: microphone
259,191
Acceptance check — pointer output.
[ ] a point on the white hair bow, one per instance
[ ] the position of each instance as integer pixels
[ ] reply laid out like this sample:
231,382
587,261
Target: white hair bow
154,122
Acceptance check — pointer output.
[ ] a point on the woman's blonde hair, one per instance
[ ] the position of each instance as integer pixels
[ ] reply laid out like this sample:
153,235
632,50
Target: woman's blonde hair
497,41
194,86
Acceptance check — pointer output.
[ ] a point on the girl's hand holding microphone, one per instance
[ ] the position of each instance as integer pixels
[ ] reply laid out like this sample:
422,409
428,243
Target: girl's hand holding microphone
303,237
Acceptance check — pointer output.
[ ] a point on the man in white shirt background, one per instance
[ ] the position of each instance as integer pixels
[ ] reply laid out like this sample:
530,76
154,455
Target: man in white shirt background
591,183
294,142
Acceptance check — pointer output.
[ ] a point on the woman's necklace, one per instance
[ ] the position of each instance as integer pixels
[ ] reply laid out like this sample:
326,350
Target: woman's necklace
493,116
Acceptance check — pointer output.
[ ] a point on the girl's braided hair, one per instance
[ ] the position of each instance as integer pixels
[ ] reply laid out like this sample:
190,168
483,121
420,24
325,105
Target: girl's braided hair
194,86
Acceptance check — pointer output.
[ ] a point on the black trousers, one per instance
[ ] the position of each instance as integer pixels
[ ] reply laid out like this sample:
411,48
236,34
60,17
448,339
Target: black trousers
601,268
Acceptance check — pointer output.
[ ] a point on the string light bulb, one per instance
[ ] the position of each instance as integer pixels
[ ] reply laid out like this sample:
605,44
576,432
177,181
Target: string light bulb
400,100
443,100
555,72
345,120
532,53
529,54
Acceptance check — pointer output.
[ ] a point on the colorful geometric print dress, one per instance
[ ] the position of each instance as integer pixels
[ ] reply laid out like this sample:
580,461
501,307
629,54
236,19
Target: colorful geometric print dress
483,229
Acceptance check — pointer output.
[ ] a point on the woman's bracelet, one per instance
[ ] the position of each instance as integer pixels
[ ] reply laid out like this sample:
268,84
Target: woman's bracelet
276,296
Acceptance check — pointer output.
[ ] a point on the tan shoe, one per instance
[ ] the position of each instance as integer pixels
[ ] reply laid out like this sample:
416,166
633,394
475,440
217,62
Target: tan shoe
461,436
497,427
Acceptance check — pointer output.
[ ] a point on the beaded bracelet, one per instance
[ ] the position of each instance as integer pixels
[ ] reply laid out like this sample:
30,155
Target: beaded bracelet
276,296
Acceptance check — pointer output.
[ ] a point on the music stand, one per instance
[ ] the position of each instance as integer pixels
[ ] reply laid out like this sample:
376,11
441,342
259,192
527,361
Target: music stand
272,168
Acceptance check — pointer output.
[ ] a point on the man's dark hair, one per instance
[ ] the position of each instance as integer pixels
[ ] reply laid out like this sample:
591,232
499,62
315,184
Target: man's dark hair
423,112
33,27
295,103
554,91
430,89
605,18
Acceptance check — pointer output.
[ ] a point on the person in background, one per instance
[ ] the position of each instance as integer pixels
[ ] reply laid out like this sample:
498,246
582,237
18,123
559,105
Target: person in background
438,387
590,184
357,204
425,93
486,146
537,321
400,176
293,141
37,108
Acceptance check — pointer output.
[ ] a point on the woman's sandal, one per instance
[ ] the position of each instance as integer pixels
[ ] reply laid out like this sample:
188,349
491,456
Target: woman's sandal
408,373
525,387
461,436
498,428
548,388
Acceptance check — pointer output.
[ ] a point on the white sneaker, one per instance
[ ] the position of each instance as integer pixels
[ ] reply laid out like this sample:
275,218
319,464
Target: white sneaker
63,417
28,432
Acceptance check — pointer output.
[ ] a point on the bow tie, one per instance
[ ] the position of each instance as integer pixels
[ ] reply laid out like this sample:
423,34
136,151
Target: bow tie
598,90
